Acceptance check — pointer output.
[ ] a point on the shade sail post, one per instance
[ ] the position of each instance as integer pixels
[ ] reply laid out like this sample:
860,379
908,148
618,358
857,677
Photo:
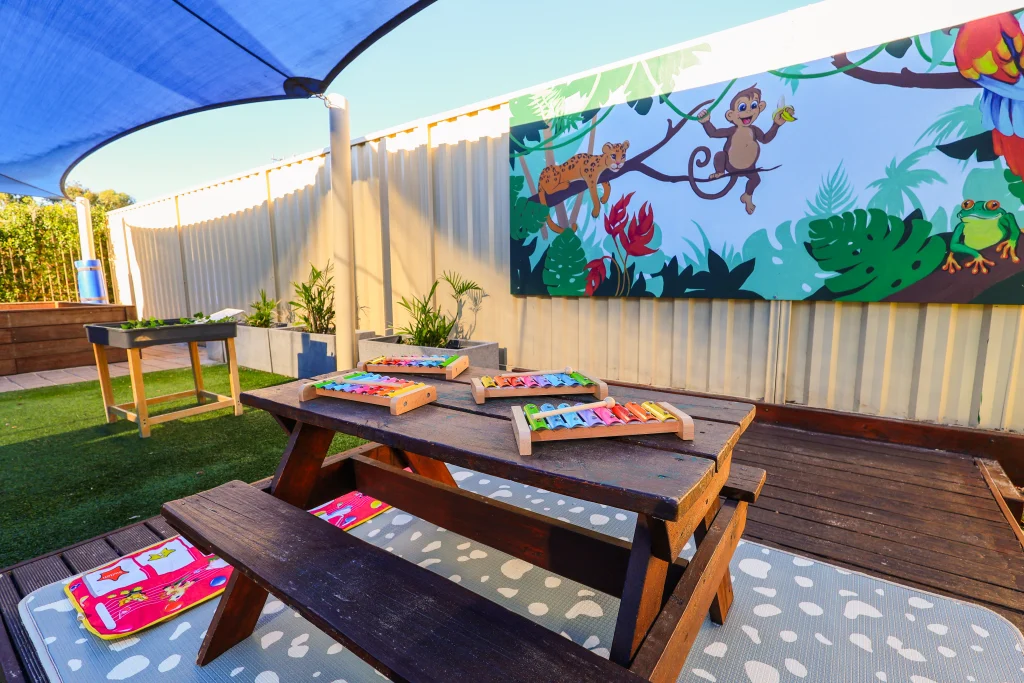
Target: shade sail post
85,234
343,231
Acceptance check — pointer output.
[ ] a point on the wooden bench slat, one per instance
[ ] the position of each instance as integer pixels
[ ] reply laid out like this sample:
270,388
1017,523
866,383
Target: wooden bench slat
744,483
407,622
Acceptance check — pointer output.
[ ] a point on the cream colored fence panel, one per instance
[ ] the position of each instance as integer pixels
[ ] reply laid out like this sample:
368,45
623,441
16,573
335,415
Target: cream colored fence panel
226,244
160,281
372,265
952,364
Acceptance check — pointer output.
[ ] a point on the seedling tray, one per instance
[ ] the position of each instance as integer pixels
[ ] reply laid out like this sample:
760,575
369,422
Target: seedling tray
111,334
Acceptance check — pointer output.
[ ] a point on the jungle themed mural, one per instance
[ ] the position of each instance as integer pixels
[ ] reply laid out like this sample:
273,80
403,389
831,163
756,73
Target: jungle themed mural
886,174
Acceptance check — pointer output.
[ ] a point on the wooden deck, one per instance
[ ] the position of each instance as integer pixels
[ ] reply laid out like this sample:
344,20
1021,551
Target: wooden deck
923,518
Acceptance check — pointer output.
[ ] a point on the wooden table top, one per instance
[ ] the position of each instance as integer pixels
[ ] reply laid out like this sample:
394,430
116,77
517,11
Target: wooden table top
656,474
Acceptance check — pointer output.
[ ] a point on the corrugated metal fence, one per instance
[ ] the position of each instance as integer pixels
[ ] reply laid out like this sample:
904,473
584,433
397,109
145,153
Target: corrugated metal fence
435,198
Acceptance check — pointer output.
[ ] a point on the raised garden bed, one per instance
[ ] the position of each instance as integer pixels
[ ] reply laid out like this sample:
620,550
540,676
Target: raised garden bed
47,335
171,332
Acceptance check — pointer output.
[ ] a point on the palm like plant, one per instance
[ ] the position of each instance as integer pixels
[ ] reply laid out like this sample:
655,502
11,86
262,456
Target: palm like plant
314,305
901,179
428,325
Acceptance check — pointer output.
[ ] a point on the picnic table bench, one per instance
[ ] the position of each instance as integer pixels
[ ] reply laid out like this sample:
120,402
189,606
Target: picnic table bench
411,624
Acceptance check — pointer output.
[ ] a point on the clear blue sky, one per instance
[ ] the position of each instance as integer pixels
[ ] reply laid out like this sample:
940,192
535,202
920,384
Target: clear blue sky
453,53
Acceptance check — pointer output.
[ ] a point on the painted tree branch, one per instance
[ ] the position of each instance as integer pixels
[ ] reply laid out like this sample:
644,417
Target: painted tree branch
905,78
665,178
632,164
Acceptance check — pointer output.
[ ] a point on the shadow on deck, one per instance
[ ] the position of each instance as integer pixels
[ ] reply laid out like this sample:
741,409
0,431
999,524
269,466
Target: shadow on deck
923,518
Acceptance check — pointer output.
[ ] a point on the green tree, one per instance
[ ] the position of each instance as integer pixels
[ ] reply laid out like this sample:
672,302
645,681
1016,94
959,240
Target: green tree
875,255
901,179
39,244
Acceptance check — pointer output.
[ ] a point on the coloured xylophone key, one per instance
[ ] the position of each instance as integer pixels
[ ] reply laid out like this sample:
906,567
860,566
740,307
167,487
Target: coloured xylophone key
596,420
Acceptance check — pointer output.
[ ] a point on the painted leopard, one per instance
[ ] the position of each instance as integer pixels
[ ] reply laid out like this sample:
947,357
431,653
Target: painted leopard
586,167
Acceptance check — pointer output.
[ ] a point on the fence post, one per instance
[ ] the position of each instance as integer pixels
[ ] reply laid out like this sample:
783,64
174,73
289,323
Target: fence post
343,233
181,254
85,237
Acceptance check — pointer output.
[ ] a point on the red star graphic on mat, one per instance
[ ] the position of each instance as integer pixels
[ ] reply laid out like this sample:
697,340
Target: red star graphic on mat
112,574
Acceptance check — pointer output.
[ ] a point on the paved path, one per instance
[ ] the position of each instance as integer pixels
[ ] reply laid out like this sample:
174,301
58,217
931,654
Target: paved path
154,358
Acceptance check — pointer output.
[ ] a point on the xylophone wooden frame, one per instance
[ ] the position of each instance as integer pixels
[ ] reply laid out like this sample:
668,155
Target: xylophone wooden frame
526,437
481,393
451,371
399,404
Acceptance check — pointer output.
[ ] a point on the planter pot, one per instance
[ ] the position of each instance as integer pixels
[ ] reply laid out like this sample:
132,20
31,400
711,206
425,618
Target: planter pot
252,347
296,353
482,354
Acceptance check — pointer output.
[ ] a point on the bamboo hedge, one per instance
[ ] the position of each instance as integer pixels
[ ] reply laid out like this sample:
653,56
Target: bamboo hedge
38,248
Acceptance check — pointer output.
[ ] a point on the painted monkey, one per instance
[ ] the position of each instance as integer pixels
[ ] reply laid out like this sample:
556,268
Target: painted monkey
743,140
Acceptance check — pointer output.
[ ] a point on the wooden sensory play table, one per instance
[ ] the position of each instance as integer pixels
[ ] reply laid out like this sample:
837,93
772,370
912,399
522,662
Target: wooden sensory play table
133,341
390,612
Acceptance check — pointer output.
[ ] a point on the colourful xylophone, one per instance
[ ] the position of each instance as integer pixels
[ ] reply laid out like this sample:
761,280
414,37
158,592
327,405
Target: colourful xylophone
537,383
449,366
596,420
400,395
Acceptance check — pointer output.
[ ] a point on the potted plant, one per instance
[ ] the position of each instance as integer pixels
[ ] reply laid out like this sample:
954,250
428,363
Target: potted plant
309,348
252,345
431,331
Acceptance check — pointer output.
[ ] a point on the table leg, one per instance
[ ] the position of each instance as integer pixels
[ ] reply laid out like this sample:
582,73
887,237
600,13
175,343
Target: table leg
103,369
642,594
197,372
138,391
242,601
430,468
236,390
723,597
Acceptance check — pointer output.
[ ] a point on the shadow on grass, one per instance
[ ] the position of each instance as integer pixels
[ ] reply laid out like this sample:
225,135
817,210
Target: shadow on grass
65,479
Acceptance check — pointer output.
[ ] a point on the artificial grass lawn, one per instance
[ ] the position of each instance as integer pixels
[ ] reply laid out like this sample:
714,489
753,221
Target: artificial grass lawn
66,475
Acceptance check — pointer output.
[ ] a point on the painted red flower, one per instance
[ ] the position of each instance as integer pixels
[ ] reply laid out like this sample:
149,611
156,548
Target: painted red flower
596,274
640,233
615,220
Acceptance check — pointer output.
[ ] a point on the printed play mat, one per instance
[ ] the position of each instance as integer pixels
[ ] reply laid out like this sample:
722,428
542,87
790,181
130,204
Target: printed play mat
793,619
160,581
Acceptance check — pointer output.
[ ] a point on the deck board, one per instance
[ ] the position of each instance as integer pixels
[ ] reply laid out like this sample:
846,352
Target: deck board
918,517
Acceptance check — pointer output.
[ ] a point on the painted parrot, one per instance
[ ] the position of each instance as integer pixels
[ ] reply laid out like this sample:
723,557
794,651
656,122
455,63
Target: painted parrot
989,52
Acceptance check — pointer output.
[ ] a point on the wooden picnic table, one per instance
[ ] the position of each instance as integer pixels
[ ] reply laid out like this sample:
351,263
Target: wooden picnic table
677,488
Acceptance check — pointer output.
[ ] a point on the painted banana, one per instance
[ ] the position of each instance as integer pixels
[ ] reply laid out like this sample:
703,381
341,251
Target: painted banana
784,110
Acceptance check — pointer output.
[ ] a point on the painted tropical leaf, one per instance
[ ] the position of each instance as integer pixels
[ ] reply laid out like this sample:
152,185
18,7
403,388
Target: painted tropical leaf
793,83
784,268
960,122
565,266
526,217
901,179
875,255
941,44
834,196
1014,184
526,280
898,48
675,281
720,281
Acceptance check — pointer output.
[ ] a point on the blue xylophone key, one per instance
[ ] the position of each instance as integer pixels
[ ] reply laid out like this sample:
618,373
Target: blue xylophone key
555,421
566,380
572,419
554,380
590,418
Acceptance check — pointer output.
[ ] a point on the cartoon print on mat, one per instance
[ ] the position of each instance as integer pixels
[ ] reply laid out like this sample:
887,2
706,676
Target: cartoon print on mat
158,582
853,203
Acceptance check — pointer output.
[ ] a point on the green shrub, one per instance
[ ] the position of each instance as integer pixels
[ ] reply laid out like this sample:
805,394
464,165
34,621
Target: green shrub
314,305
429,326
262,311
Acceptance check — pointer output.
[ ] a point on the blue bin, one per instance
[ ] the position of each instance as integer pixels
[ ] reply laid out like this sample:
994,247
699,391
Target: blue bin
91,286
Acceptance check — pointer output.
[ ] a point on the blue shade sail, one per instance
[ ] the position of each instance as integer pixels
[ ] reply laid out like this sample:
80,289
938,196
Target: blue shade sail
78,74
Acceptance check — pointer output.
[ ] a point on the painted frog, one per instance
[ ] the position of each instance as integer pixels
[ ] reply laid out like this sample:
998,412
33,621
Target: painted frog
981,226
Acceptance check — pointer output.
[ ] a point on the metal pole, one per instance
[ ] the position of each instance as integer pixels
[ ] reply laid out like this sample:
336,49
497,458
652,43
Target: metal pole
85,236
343,232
